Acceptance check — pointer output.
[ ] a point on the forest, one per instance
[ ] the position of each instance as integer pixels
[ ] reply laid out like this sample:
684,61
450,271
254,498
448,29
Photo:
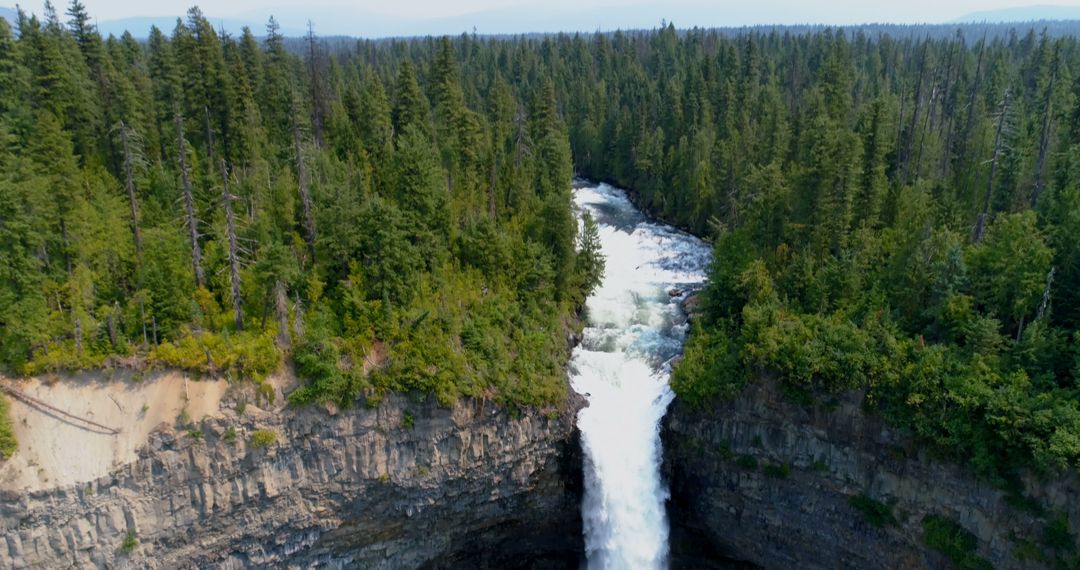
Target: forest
898,216
221,204
893,212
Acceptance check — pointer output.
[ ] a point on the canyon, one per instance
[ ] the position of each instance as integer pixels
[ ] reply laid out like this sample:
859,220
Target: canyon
759,481
208,474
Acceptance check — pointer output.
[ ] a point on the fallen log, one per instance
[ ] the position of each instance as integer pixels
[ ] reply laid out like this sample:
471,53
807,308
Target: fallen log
32,401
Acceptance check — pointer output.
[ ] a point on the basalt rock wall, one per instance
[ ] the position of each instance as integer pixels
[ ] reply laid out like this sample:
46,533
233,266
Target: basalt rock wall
763,482
408,484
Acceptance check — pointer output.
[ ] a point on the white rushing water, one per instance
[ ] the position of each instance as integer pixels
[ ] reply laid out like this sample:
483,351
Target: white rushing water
635,327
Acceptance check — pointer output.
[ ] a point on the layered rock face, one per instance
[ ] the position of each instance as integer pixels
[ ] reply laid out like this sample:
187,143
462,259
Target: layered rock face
760,481
406,485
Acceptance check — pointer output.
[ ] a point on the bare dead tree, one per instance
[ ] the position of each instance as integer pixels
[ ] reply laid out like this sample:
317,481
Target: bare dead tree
980,224
909,143
189,200
948,119
938,91
129,185
974,90
209,136
111,321
234,255
1044,141
318,99
78,334
298,322
281,312
305,191
1045,302
492,213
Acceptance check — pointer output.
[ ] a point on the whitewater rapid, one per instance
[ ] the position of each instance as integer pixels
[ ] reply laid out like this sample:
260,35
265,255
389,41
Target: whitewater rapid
635,328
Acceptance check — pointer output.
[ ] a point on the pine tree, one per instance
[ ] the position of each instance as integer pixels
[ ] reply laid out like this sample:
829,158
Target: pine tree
410,105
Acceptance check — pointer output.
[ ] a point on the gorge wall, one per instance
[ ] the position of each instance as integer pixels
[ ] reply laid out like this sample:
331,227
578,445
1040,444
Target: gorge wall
405,485
755,482
761,481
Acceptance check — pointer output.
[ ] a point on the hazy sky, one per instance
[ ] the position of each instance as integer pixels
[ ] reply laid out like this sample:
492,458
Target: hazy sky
417,17
738,11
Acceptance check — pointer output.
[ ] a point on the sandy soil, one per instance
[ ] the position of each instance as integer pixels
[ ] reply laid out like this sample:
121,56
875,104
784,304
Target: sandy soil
55,452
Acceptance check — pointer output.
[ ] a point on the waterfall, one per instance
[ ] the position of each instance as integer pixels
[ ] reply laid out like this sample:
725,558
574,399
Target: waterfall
635,328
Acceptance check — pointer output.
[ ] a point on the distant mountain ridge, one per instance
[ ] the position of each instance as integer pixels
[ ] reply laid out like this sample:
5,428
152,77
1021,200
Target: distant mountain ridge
1023,14
357,22
139,26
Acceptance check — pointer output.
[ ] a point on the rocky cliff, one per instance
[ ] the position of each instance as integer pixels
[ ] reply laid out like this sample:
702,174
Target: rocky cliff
760,481
405,485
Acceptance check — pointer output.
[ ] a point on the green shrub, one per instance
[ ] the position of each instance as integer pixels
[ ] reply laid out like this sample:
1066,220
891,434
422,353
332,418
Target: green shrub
8,443
777,471
876,513
318,362
746,461
129,543
262,438
247,355
709,368
1057,536
230,434
816,352
1017,499
954,541
265,392
63,356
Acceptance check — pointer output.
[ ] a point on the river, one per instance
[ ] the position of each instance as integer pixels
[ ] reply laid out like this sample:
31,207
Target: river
634,329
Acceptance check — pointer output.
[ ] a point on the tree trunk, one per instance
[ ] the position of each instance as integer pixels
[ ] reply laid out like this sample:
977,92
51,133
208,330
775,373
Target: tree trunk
909,142
209,138
142,319
980,224
298,323
189,200
112,328
1045,302
492,213
974,91
317,102
281,312
129,184
947,123
305,191
1044,141
234,257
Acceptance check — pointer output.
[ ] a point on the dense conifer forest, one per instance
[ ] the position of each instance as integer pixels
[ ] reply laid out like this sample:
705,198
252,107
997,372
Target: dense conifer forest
219,203
892,213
